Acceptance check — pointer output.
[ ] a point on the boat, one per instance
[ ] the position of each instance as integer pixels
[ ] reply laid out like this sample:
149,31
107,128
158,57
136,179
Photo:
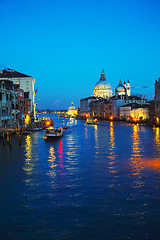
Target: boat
91,121
53,133
37,129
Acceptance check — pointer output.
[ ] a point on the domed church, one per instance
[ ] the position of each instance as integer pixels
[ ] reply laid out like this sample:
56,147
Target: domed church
123,89
102,88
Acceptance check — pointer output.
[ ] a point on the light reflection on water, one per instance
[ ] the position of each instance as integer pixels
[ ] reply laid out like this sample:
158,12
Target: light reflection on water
52,163
29,163
136,156
157,138
84,185
113,169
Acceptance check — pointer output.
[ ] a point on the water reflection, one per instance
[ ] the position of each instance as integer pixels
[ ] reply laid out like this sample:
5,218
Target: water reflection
52,164
29,164
136,157
137,183
112,150
157,138
60,156
86,132
96,135
155,162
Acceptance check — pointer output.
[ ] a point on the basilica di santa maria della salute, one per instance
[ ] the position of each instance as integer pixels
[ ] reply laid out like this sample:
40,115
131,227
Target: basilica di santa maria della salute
104,102
103,88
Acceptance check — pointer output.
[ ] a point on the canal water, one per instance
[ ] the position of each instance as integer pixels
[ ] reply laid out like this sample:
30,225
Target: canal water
96,182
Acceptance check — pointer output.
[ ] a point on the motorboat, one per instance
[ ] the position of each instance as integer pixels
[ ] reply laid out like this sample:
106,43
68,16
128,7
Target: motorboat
53,133
91,121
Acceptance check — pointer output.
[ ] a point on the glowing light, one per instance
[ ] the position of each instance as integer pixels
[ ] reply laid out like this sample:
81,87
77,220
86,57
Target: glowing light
111,117
155,164
157,119
47,123
27,119
139,114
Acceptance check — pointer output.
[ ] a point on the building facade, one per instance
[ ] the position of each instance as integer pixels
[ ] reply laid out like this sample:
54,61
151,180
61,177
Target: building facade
157,101
25,82
134,112
8,105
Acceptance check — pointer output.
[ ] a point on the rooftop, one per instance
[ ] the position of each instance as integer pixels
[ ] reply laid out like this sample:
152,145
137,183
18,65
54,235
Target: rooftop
11,73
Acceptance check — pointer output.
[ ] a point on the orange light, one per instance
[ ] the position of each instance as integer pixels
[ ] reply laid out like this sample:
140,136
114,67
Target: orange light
111,117
86,115
48,123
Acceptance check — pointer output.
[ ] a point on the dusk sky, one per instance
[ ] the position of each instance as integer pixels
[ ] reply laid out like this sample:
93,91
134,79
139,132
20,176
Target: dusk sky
65,44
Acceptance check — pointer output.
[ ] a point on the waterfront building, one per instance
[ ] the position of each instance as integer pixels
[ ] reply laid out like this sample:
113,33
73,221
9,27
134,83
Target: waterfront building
24,82
118,101
101,108
72,111
8,105
102,88
85,106
27,108
20,98
157,101
123,97
134,112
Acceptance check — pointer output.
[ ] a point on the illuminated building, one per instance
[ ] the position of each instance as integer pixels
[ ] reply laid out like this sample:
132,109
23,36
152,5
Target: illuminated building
72,111
121,100
24,82
134,112
157,101
102,88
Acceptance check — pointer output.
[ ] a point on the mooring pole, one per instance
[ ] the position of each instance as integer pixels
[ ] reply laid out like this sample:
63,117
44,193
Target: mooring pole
19,134
7,137
10,138
3,138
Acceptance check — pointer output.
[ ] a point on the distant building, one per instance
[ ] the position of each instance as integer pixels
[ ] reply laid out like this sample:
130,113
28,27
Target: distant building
102,88
24,81
157,101
72,110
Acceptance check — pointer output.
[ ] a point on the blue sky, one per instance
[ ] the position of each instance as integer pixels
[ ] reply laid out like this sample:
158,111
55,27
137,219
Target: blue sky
65,44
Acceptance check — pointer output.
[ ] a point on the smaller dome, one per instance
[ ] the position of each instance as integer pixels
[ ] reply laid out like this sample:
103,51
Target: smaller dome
120,89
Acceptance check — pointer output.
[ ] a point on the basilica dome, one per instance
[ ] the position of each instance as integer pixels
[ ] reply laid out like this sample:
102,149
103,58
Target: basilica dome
120,89
102,88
